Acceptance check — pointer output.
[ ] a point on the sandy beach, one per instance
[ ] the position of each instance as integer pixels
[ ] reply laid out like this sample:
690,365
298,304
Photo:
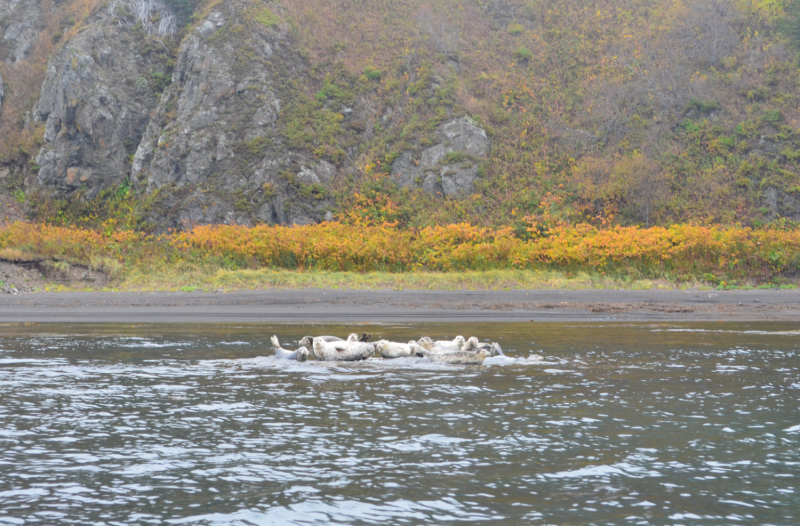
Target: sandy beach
307,306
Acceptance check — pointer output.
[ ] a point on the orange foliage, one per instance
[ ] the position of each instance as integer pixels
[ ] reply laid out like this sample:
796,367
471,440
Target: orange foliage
682,251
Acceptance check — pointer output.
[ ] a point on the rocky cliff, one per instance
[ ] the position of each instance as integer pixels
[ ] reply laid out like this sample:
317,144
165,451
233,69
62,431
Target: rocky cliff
214,150
222,139
20,25
191,112
96,104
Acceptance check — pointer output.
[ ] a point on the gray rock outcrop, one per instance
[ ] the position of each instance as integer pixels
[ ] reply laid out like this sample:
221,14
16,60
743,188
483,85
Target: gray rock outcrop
214,151
19,28
781,203
448,168
95,103
2,93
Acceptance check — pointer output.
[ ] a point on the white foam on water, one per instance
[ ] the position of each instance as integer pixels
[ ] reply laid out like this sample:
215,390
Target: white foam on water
793,429
31,492
146,344
719,331
38,361
681,516
344,512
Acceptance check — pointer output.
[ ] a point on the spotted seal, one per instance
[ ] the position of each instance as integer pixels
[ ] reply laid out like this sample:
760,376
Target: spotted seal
342,351
301,354
391,350
454,345
456,357
308,341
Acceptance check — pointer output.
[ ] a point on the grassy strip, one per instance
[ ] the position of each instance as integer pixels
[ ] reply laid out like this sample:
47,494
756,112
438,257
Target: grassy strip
195,279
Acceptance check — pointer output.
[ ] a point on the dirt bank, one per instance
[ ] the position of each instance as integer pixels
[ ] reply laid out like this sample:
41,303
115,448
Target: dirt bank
286,306
19,277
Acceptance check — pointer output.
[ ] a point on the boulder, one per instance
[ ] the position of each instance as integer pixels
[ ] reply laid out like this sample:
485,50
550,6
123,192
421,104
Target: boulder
435,170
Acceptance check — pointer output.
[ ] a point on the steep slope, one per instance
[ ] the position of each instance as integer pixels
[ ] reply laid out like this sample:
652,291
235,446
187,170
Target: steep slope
213,150
20,25
95,103
498,112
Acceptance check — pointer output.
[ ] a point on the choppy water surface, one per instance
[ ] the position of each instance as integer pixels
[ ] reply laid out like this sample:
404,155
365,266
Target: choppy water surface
618,424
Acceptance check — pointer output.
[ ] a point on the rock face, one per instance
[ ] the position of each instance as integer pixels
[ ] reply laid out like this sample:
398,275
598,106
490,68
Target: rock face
95,104
217,139
782,204
19,28
448,168
214,151
2,93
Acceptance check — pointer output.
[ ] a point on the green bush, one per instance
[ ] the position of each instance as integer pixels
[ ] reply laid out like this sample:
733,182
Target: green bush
523,54
759,94
703,107
267,18
372,73
773,116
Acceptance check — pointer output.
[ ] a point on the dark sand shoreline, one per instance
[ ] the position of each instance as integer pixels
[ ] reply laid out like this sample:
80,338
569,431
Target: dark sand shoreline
311,306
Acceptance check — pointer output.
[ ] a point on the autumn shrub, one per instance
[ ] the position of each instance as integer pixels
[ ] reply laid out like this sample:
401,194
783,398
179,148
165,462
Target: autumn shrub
682,252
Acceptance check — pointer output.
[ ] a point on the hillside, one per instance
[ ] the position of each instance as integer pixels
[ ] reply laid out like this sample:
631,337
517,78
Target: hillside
156,114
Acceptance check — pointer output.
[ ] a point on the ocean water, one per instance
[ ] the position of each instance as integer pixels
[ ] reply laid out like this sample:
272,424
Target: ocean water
579,424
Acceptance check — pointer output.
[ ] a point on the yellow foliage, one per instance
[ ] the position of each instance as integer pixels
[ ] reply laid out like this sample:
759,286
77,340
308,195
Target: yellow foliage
685,252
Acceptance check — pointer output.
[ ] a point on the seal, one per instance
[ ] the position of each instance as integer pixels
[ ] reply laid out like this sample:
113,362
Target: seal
456,357
430,345
471,345
301,354
392,350
342,351
364,338
308,341
493,347
454,345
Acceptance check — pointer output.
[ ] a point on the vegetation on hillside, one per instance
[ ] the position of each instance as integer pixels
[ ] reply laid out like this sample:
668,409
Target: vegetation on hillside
606,112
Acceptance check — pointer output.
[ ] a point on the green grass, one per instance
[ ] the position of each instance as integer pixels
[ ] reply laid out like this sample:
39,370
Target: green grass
210,279
190,277
267,18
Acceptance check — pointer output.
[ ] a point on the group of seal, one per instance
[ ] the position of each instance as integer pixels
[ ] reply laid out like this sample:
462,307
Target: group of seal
356,348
